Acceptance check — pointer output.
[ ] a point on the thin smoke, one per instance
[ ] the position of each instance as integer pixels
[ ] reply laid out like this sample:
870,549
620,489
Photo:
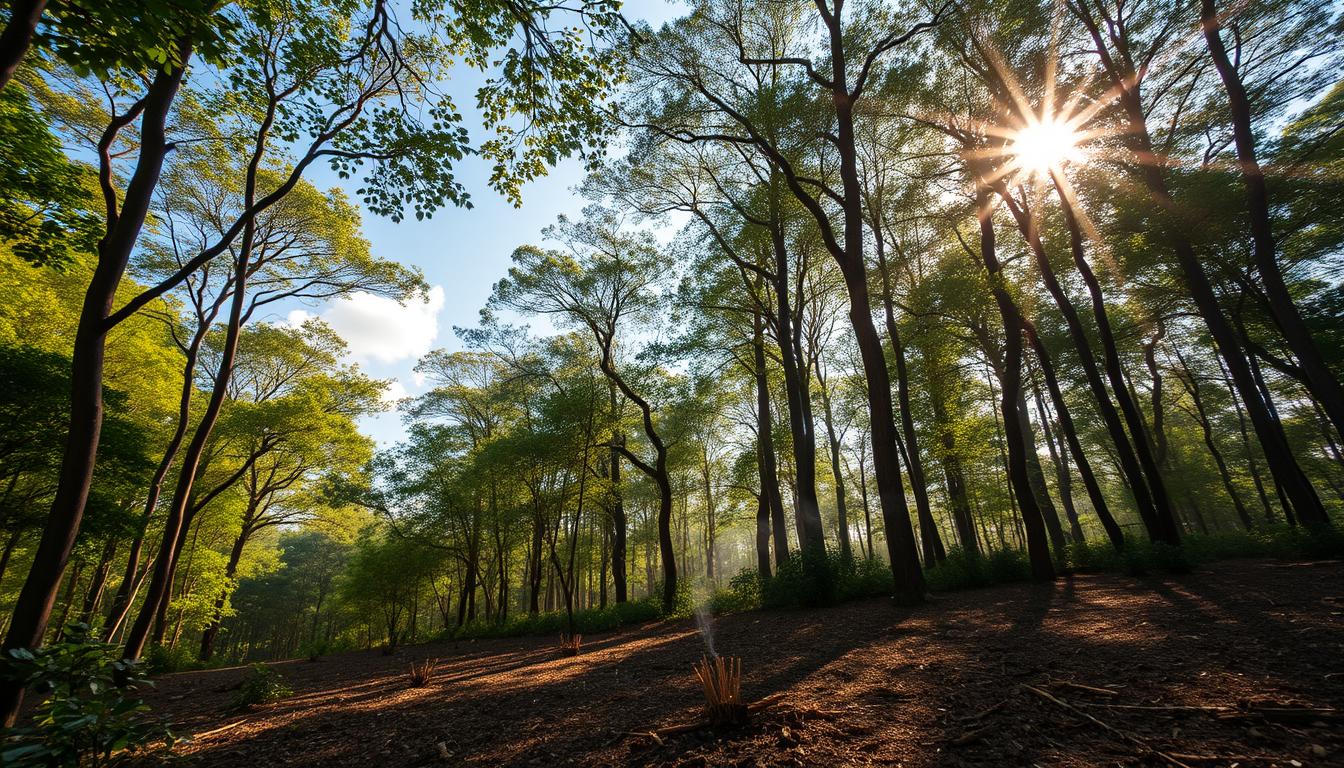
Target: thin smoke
704,621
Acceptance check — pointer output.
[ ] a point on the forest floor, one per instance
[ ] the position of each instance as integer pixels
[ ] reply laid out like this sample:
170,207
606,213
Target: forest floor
1237,663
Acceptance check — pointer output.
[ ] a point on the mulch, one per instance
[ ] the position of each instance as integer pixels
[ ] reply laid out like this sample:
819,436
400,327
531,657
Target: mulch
1239,663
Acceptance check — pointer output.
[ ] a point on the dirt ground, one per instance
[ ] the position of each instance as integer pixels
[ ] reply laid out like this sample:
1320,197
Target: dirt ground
1239,663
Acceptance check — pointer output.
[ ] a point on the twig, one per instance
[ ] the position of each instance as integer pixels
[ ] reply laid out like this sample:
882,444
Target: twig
1126,736
1081,687
220,729
1156,708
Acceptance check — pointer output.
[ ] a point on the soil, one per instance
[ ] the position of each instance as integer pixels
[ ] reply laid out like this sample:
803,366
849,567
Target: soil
1238,663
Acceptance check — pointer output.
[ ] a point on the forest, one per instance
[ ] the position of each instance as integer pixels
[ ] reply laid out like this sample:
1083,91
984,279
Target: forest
984,332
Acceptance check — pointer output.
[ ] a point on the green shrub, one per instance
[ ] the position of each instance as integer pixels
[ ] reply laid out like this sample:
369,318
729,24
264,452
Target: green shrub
743,593
315,649
162,660
89,714
261,686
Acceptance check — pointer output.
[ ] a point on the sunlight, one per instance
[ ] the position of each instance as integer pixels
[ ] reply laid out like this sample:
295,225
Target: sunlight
1045,145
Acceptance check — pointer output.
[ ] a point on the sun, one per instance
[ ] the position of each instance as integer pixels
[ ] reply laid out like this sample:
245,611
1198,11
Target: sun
1045,145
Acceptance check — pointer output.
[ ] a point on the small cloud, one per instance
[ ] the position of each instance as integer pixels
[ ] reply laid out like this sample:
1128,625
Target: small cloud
418,378
297,317
395,391
380,329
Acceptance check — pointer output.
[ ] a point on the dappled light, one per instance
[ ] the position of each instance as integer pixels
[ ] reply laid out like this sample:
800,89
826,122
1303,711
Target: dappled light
717,383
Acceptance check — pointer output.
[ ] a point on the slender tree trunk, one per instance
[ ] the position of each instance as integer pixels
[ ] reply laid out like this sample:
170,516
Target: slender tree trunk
771,505
1149,494
179,512
1148,460
1037,474
811,536
1063,480
1287,473
929,539
24,16
1038,548
28,622
94,597
1066,426
1325,388
837,476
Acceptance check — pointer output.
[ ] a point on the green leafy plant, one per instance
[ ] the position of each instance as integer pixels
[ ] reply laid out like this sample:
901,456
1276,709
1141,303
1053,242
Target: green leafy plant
262,685
88,715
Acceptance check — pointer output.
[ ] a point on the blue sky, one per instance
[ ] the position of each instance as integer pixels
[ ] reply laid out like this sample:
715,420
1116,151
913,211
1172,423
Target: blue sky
462,252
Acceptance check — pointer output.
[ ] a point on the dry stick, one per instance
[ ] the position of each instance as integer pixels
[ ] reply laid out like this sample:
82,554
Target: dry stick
1126,736
220,729
1081,687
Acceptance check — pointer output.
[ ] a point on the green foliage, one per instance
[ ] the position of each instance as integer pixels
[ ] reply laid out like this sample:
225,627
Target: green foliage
808,580
967,570
589,621
88,715
45,199
262,685
163,659
742,594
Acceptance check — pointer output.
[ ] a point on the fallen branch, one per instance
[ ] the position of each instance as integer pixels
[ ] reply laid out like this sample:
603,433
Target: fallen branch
1112,729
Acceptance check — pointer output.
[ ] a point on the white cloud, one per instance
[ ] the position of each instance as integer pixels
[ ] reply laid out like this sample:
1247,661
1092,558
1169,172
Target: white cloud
378,328
395,391
418,378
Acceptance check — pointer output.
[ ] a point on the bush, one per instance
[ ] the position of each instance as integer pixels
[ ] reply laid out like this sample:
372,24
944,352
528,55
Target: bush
261,686
742,594
315,649
162,660
89,714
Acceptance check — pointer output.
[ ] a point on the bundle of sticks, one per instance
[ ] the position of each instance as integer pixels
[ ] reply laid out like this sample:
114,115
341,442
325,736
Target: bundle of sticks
721,678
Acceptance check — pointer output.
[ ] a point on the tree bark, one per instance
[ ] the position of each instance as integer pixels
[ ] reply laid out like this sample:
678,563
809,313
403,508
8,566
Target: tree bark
1038,548
32,609
1325,388
1283,466
24,16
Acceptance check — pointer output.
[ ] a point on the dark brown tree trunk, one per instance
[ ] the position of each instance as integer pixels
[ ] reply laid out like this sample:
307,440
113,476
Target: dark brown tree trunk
1149,499
771,504
1094,494
1038,548
1320,380
1192,386
1063,479
619,524
1287,473
807,508
32,609
24,16
1037,474
180,510
955,478
837,476
930,541
1151,464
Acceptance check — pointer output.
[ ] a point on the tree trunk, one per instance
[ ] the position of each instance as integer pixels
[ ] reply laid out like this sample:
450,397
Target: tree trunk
179,512
929,539
1320,380
24,16
1283,466
1038,549
1063,480
32,609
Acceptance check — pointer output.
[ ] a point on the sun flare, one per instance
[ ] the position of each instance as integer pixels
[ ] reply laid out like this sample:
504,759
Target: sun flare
1045,145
